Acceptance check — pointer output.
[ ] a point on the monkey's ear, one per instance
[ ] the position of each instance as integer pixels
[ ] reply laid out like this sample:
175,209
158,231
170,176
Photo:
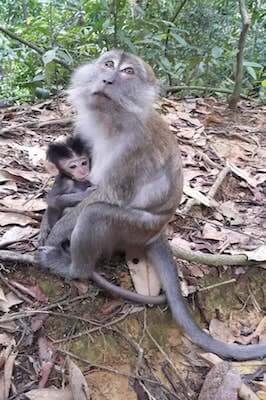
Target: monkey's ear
57,151
151,78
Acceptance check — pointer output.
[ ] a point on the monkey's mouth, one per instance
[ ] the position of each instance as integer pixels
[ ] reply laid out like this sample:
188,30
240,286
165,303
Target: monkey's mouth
102,94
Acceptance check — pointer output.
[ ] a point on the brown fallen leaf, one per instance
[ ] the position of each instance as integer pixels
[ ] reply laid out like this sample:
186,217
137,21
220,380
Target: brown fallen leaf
9,326
220,330
221,383
37,321
212,118
82,287
17,234
78,383
9,301
7,357
25,176
9,218
6,340
8,188
24,204
47,356
259,333
34,291
50,394
243,174
109,307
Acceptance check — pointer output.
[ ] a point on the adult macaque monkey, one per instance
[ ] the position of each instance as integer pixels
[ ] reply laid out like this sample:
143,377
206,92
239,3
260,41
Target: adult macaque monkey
137,170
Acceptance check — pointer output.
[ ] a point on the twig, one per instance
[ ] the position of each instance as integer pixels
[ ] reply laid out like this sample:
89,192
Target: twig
212,192
173,89
21,40
44,310
216,285
14,290
208,161
138,349
219,225
33,46
240,54
30,214
184,385
179,9
95,329
165,370
218,182
112,370
37,124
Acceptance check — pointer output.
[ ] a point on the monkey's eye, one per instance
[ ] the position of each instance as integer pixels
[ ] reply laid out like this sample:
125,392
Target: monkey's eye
109,64
129,71
84,163
73,166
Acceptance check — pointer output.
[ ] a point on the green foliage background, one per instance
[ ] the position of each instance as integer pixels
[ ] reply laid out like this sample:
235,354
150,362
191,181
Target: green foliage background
188,42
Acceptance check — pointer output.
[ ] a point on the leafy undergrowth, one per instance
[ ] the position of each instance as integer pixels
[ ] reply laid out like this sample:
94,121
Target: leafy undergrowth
46,324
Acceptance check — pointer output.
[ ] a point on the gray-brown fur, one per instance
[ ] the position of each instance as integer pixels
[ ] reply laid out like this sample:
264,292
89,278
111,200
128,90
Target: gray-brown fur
136,167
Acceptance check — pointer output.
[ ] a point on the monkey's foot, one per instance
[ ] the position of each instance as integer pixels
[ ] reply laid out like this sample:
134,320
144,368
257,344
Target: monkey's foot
45,255
54,259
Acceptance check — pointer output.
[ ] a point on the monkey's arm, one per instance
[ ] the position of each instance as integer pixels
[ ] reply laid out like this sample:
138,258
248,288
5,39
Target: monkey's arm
44,229
64,227
62,201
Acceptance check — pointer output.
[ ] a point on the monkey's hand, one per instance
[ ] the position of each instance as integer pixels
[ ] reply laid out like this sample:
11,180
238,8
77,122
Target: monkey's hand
44,230
89,190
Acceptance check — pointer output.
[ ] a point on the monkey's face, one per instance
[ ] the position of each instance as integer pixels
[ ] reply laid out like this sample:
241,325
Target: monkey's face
76,167
115,81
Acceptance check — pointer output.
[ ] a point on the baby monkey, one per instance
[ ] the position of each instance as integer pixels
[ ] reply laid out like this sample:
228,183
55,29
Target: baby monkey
71,184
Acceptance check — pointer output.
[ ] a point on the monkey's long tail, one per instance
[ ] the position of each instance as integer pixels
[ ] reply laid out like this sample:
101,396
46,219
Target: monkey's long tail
160,256
126,294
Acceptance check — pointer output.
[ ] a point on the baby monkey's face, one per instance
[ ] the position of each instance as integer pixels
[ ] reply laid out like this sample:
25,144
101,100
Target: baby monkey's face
76,167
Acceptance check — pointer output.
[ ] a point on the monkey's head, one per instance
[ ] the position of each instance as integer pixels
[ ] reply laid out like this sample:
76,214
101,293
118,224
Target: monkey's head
116,81
70,158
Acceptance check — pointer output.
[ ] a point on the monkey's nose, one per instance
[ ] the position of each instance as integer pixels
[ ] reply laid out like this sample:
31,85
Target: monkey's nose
108,82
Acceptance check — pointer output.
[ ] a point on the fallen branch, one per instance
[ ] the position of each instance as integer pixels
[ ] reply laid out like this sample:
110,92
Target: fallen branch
215,260
37,124
173,89
16,257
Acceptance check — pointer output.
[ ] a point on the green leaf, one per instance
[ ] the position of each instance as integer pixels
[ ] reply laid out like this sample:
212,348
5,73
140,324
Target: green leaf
252,72
64,56
252,64
179,39
49,56
216,52
42,93
263,83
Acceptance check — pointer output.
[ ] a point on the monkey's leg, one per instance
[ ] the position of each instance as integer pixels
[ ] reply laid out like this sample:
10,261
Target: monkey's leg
159,254
100,229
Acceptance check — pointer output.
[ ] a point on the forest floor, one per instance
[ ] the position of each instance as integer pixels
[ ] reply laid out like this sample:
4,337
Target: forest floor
51,330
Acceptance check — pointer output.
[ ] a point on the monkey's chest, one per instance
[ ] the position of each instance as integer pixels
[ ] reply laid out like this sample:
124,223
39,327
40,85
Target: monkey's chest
105,162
